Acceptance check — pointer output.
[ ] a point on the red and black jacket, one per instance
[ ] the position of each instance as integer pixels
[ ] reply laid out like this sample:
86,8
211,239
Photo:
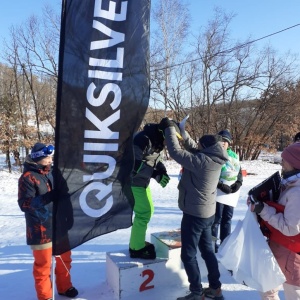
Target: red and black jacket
290,242
35,200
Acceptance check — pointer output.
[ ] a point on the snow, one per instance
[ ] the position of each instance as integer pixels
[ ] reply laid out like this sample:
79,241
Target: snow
89,260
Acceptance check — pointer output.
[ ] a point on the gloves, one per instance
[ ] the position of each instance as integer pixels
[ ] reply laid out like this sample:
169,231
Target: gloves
235,187
162,179
165,123
256,205
224,188
48,197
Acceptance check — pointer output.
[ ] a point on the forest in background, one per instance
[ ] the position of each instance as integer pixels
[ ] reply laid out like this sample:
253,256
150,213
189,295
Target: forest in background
220,83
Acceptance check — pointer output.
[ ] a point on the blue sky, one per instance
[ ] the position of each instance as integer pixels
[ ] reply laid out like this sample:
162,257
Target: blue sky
17,12
255,18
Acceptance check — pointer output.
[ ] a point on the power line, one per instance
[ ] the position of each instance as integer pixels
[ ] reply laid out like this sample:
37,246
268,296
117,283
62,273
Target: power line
227,50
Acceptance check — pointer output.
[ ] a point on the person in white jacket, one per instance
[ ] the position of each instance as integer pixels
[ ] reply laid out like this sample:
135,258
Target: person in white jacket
287,223
230,181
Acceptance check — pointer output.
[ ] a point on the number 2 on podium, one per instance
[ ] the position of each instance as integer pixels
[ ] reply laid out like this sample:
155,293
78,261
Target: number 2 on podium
145,285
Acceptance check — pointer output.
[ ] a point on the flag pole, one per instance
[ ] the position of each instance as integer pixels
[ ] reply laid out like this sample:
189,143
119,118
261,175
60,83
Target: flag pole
53,278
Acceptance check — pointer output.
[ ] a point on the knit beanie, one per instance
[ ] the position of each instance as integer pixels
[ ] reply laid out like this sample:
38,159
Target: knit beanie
225,134
35,156
155,135
291,154
209,140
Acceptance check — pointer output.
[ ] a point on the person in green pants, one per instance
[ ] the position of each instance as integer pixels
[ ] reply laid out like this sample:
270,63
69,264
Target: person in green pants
148,145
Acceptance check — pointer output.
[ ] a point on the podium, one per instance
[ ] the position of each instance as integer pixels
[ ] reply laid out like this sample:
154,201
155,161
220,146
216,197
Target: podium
132,278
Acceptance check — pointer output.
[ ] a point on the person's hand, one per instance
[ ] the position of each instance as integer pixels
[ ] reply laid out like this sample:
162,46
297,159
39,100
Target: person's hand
165,123
256,205
162,179
248,202
48,197
235,187
224,188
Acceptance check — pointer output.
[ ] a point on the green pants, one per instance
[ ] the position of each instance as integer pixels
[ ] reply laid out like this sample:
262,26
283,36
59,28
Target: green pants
143,211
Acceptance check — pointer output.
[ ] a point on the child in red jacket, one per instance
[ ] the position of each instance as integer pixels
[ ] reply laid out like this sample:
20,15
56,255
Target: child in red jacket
35,199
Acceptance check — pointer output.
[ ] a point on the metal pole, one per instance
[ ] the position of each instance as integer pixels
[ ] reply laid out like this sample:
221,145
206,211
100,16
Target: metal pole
53,277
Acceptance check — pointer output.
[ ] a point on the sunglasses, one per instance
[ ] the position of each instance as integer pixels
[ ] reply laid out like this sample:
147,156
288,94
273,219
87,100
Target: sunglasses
44,152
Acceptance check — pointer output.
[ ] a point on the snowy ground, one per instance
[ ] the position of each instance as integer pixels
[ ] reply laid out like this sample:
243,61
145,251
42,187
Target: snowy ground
89,260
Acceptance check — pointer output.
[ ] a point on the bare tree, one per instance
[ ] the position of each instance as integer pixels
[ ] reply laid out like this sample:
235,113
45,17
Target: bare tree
9,116
33,52
231,75
219,82
172,23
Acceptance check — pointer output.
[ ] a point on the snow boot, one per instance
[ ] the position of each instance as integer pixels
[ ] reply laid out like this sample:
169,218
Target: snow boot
70,293
213,293
148,252
192,296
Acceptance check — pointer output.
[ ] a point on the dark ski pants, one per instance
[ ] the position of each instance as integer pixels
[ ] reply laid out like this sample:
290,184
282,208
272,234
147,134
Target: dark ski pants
196,234
223,218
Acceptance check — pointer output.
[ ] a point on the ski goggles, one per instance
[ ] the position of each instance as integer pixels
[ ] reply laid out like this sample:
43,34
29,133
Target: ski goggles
44,152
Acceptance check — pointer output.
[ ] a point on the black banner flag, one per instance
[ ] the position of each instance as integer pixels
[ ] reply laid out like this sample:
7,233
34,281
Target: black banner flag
103,94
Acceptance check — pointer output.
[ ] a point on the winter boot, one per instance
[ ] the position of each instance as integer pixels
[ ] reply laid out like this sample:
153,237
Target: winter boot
148,252
192,296
213,293
70,293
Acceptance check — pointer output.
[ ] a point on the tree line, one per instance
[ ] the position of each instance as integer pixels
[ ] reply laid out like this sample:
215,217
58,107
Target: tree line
220,83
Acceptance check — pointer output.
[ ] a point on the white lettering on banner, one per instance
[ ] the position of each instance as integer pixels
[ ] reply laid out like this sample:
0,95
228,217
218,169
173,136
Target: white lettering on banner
105,75
111,63
109,87
103,69
104,132
110,14
116,37
104,191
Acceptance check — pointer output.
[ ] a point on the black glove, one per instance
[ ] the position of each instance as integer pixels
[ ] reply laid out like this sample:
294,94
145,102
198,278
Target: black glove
258,205
165,123
48,197
162,179
224,188
159,171
235,187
